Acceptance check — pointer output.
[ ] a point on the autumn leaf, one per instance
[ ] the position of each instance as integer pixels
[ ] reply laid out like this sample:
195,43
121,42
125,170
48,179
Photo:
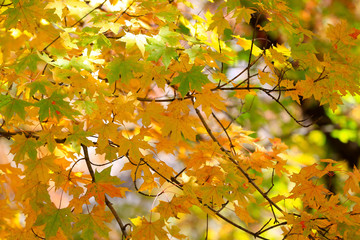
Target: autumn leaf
55,219
55,106
159,50
22,147
94,222
105,185
148,230
173,208
131,39
10,106
121,69
190,80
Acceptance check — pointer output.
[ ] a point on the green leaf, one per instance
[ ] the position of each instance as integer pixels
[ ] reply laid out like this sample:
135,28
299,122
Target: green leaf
27,61
102,41
38,86
11,17
89,225
23,146
194,52
192,79
10,106
105,177
79,63
121,68
168,36
158,49
78,137
54,219
55,106
58,52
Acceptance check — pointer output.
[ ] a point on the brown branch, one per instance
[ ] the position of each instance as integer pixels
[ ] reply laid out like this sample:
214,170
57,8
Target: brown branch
209,131
123,12
227,135
238,226
261,231
162,100
256,88
107,202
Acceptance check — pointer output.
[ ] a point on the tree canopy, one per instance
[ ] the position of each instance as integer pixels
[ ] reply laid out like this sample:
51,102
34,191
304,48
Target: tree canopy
103,103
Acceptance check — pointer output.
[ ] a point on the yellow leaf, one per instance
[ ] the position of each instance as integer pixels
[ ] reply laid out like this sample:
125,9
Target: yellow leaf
246,45
145,230
208,99
132,39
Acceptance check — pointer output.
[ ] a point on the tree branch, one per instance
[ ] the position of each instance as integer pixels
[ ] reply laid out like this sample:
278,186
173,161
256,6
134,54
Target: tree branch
227,152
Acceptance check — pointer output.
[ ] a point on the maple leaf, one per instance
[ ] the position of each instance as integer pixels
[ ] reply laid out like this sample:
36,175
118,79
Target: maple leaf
177,127
219,22
159,49
246,45
55,106
55,219
121,68
195,52
132,39
23,146
38,86
48,137
105,185
58,6
40,168
94,222
168,36
209,99
153,111
145,230
352,183
123,78
77,137
193,79
10,106
173,208
30,61
242,13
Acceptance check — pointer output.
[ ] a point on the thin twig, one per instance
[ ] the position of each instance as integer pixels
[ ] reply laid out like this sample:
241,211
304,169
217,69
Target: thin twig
107,202
78,21
135,185
251,49
271,227
227,135
287,111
